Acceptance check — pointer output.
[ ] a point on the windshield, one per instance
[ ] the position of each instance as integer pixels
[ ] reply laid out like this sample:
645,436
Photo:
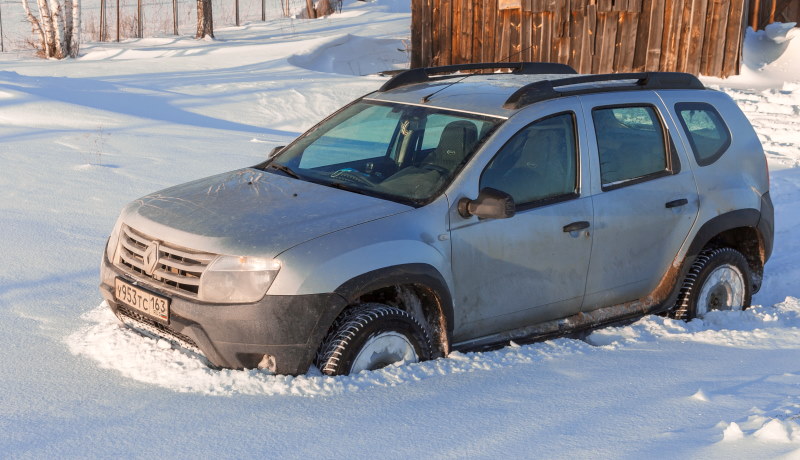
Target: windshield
399,152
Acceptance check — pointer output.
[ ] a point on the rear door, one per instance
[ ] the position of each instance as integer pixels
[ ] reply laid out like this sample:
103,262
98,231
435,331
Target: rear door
644,197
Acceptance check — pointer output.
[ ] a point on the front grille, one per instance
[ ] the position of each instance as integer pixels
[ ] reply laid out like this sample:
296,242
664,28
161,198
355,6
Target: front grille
154,327
177,270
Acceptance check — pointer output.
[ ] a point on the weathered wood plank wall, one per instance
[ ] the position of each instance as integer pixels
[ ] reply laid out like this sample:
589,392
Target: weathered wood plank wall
593,36
764,12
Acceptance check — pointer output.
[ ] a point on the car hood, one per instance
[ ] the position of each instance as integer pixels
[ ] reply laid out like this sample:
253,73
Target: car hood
251,212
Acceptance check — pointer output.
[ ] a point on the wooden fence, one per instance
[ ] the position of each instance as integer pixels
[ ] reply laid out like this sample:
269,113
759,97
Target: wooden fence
593,36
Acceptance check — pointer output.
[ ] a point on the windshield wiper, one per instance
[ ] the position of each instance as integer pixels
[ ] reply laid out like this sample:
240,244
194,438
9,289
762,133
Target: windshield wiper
342,186
284,169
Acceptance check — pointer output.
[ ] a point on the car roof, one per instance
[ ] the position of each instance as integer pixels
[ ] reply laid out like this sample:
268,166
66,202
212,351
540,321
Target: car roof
475,93
503,94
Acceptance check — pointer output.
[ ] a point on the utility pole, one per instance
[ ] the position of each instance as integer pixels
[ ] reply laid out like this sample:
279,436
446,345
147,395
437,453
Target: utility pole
2,45
103,25
237,13
263,10
175,16
139,18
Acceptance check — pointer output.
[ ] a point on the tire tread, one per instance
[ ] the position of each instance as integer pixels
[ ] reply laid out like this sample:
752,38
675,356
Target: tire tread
683,306
347,327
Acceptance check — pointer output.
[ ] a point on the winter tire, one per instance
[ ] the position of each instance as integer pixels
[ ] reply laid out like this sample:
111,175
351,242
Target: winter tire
719,279
371,336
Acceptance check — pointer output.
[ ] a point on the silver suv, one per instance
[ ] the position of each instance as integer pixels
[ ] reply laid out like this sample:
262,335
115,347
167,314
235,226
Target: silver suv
455,209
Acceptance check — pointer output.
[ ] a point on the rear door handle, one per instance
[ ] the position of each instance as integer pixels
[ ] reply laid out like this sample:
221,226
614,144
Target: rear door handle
575,226
676,203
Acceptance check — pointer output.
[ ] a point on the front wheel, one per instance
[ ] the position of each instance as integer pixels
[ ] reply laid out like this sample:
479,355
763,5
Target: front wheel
719,279
371,336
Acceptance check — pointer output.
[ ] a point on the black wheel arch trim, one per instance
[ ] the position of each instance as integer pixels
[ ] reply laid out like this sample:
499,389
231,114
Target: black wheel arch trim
752,218
721,223
759,220
766,224
416,273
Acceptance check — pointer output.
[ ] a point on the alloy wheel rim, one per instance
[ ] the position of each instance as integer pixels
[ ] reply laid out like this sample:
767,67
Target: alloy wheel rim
382,350
723,289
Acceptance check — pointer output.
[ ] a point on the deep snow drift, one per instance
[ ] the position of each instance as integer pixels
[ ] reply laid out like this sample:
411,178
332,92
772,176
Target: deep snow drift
82,138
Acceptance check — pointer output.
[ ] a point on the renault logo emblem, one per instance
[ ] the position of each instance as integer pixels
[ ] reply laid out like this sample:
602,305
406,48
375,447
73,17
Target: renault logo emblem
150,258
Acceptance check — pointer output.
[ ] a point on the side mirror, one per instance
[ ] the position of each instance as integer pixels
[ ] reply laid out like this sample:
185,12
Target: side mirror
490,204
275,151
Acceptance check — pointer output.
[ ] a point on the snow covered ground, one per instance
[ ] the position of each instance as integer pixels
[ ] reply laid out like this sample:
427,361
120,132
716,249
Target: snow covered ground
156,14
80,139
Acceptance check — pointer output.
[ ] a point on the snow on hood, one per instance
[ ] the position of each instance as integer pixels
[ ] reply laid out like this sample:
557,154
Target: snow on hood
251,212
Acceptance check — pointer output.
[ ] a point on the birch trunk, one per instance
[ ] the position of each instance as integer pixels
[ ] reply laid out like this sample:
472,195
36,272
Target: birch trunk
57,25
35,24
47,25
68,25
75,30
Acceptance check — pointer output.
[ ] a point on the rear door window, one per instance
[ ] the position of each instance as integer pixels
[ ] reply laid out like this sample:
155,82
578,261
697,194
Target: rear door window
630,144
705,129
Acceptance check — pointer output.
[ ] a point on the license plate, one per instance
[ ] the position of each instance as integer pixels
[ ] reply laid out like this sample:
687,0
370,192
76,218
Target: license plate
141,300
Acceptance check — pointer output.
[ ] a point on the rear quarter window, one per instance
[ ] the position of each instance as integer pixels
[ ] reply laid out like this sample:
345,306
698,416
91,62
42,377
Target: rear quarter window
707,132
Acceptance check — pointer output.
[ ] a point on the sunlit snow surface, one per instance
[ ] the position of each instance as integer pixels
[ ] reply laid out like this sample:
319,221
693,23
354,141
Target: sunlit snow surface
155,361
79,139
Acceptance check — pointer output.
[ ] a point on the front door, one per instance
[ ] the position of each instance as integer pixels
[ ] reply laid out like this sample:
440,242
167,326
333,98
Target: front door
510,273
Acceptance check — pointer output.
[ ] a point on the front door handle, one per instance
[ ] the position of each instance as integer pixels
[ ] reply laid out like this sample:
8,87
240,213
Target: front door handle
676,203
575,226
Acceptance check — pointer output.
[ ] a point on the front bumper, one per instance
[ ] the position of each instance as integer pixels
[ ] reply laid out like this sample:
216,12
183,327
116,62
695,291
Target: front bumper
237,336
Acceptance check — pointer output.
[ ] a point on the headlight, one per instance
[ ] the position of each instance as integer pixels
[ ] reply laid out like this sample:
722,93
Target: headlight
234,279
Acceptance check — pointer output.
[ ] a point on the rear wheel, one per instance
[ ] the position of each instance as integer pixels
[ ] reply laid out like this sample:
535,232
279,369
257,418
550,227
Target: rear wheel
719,279
371,336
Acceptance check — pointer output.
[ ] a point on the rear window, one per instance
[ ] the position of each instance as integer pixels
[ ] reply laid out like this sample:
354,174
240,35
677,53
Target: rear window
707,132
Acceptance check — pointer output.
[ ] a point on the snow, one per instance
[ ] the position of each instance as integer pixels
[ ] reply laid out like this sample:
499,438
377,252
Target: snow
769,58
353,55
82,138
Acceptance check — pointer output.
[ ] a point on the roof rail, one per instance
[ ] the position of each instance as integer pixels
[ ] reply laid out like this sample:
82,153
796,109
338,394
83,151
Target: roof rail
546,89
423,74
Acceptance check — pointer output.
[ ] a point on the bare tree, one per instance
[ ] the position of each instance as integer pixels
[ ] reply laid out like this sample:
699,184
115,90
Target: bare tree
311,13
322,8
3,46
58,27
205,21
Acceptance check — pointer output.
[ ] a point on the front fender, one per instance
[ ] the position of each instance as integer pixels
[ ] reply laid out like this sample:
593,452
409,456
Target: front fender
331,273
322,265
